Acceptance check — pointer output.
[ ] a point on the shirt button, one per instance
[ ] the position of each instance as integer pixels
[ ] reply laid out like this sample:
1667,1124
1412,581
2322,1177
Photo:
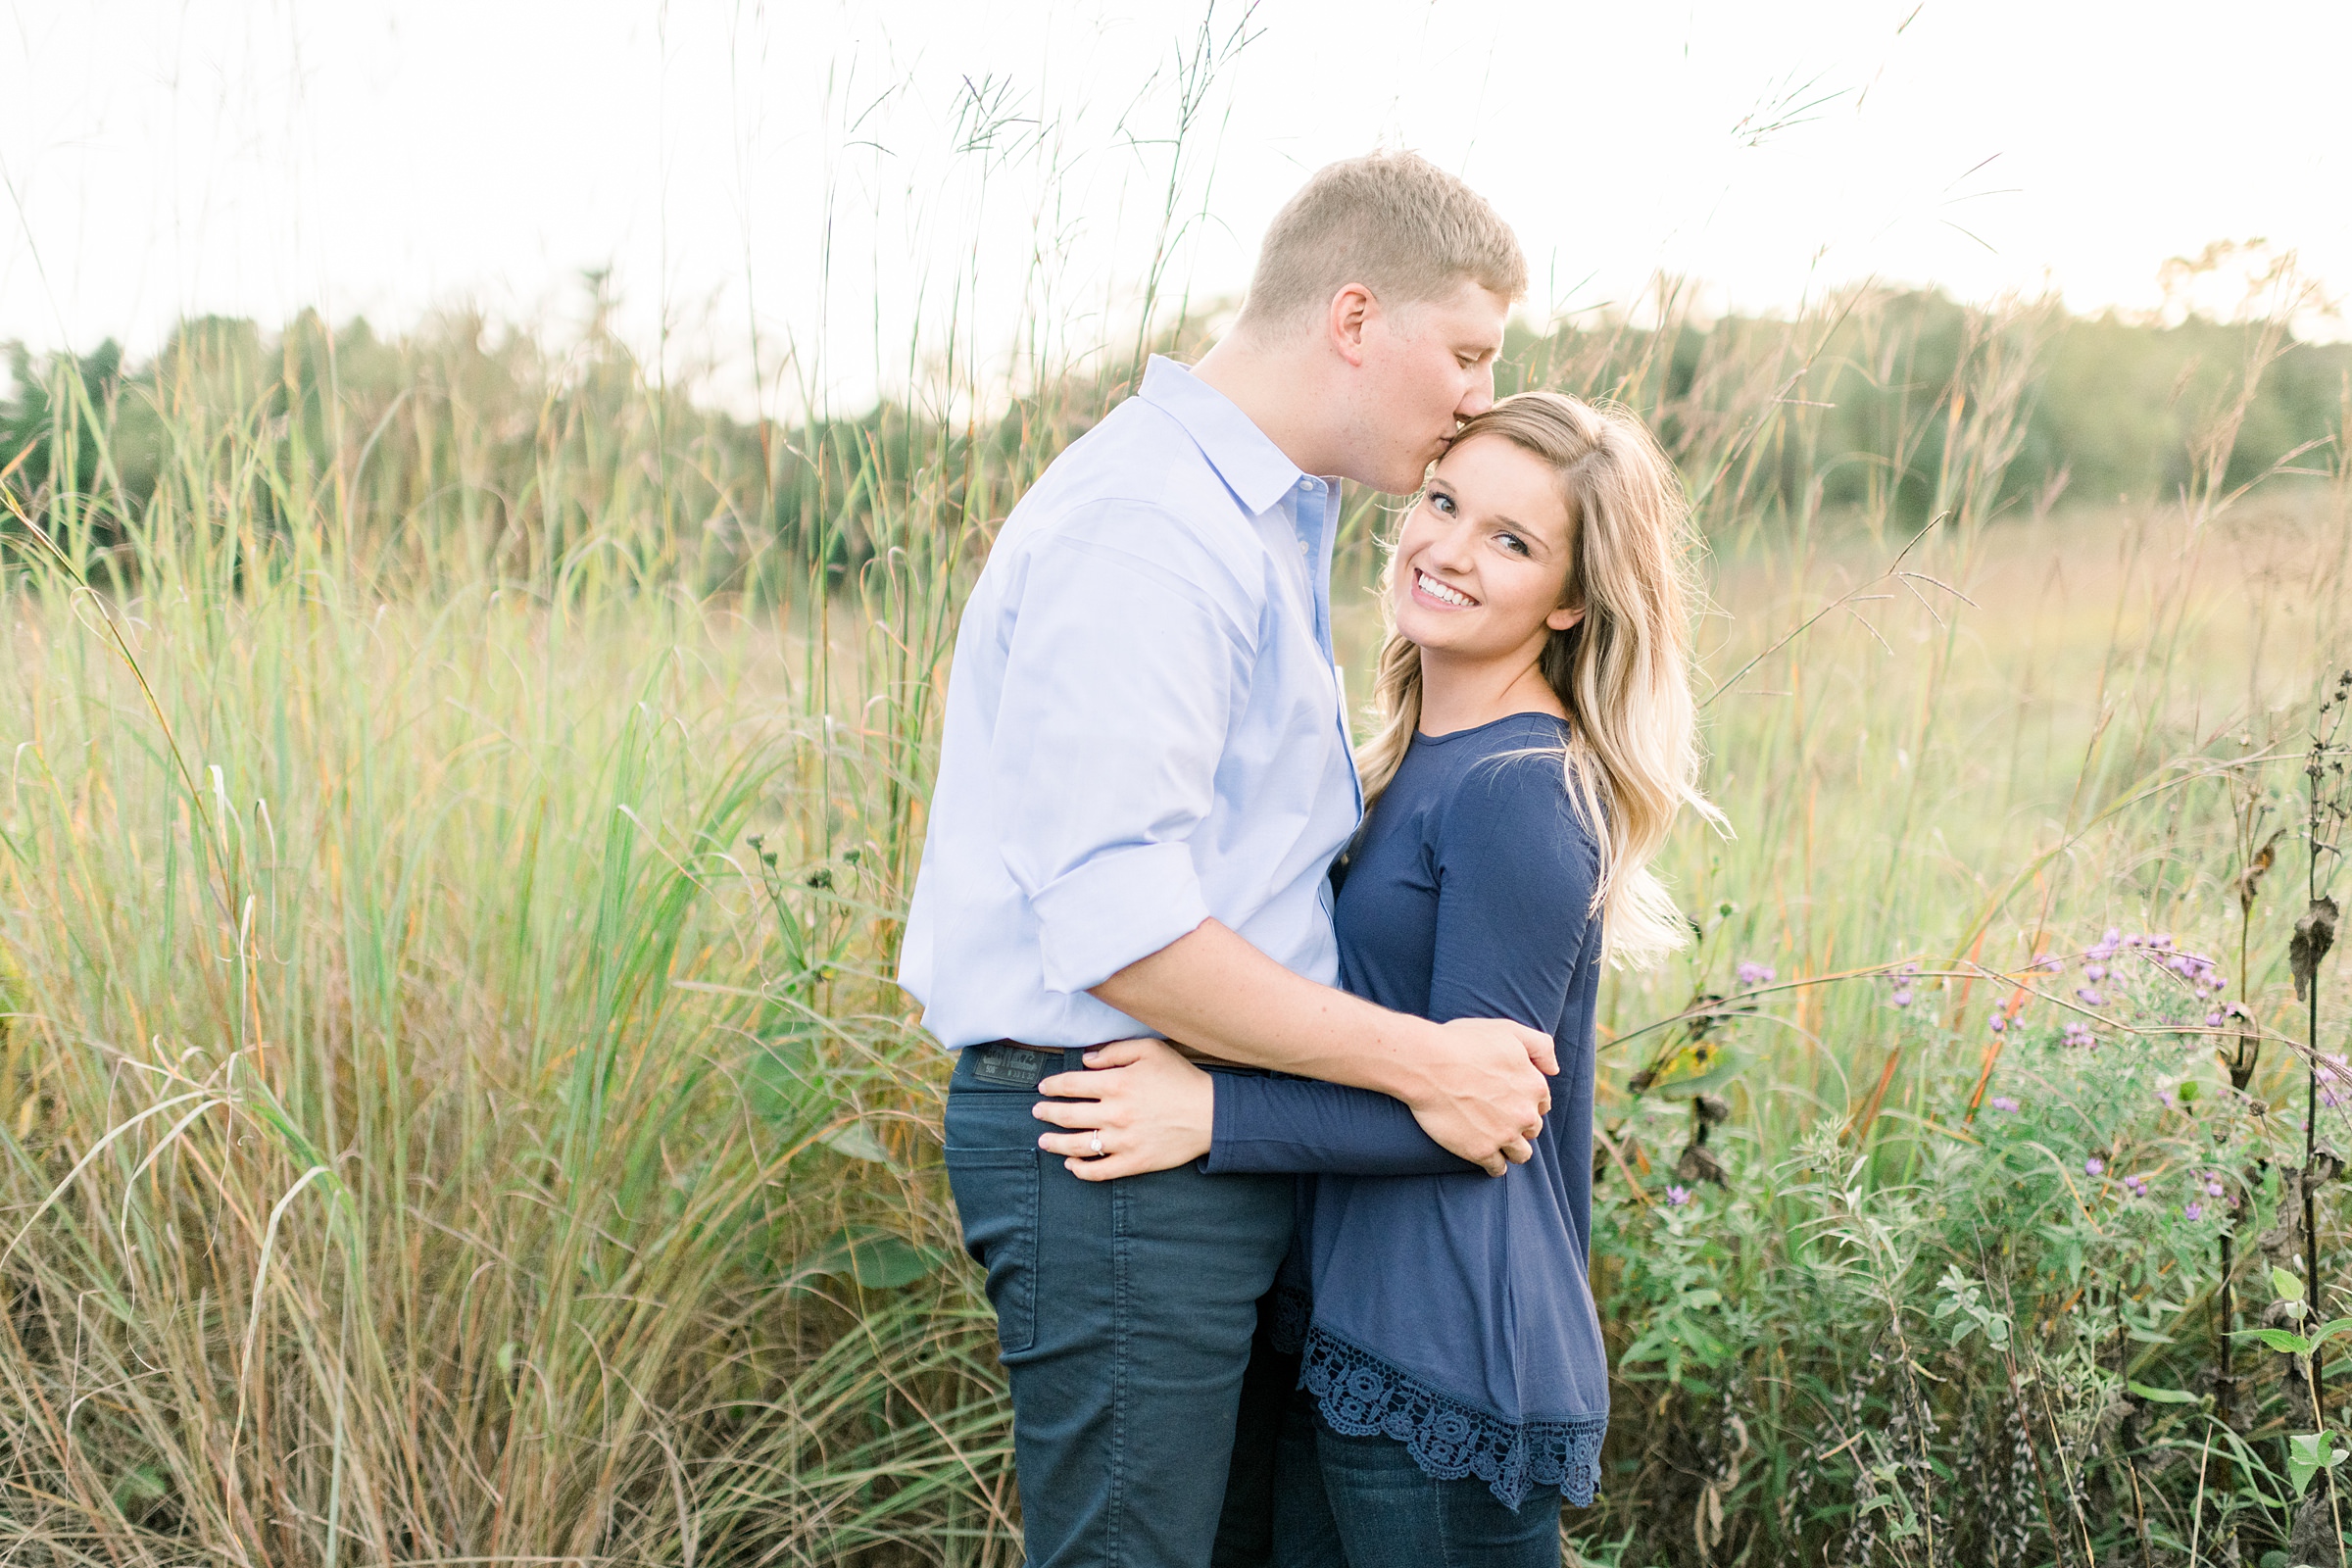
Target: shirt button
1307,486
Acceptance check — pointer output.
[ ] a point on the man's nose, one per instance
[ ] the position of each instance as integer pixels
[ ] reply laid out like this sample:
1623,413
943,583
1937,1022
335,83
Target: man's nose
1480,397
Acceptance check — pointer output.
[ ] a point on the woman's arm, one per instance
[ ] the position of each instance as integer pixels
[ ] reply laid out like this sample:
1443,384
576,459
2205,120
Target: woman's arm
1302,1126
1476,1083
1154,1110
1516,875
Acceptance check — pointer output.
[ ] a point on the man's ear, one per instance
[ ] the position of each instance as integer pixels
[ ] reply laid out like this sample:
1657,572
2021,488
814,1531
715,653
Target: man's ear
1351,309
1563,617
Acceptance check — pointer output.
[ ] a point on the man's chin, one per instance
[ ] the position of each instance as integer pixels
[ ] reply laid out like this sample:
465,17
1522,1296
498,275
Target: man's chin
1411,474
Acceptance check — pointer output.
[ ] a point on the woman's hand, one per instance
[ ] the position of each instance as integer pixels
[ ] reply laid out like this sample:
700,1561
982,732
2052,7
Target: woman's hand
1139,1108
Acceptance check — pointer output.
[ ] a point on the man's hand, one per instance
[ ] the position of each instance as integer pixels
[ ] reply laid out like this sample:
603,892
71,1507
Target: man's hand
1488,1091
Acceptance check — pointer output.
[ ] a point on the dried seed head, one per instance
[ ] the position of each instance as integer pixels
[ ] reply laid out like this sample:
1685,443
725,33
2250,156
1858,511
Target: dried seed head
2315,934
1699,1165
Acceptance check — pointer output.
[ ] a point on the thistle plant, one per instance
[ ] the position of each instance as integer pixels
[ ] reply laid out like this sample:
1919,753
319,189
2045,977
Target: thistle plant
2328,802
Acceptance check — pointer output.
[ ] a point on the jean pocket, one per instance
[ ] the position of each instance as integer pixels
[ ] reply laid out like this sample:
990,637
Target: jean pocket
996,1198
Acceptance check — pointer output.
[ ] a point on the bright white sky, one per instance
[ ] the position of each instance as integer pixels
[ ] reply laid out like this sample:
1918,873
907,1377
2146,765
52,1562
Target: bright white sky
797,165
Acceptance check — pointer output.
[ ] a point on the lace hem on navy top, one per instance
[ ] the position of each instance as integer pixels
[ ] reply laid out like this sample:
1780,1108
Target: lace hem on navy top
1363,1395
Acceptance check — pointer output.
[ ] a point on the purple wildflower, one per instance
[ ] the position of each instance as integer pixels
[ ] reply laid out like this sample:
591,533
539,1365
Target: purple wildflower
2095,1166
1997,1024
1902,997
1752,973
2137,1185
2213,1020
2094,971
2214,1187
2089,998
2335,1079
2193,1212
1676,1197
2002,1102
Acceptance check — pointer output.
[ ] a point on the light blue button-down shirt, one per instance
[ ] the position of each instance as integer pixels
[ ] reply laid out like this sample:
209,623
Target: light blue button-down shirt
1144,727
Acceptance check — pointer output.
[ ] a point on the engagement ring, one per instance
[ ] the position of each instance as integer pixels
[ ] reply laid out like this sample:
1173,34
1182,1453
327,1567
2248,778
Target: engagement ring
1096,1142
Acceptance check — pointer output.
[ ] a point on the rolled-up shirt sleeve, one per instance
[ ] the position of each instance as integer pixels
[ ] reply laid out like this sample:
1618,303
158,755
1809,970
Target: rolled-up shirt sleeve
1129,651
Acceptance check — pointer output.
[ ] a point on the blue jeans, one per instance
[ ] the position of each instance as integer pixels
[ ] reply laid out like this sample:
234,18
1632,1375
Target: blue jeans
1124,1316
1362,1502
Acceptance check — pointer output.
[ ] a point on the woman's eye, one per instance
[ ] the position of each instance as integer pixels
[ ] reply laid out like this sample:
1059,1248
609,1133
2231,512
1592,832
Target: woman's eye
1511,541
1442,502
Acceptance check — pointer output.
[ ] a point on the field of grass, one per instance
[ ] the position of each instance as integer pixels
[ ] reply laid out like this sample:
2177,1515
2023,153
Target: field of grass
458,818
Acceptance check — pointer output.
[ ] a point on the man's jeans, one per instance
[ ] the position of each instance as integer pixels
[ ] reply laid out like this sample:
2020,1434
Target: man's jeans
1124,1315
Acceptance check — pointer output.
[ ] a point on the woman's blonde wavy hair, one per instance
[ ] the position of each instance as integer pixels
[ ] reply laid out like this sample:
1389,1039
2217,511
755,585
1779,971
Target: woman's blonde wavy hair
1621,672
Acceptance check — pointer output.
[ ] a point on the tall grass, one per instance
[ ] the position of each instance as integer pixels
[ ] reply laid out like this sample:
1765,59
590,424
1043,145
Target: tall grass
453,1106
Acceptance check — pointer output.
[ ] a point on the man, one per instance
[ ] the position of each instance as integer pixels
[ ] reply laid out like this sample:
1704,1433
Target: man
1144,776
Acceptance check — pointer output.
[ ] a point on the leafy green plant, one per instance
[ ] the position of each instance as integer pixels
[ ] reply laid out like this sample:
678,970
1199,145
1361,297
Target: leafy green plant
2315,1452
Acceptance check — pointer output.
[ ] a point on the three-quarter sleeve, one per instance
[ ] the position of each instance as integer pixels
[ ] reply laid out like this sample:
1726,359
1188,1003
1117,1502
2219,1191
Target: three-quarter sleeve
1126,663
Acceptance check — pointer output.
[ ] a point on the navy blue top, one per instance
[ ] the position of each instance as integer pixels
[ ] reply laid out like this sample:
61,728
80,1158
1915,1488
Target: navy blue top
1446,1307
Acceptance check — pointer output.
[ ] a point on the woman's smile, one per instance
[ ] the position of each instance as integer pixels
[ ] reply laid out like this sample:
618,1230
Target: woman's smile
1441,594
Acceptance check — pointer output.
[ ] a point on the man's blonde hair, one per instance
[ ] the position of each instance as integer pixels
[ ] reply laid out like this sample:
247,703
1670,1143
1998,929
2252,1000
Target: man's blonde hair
1393,221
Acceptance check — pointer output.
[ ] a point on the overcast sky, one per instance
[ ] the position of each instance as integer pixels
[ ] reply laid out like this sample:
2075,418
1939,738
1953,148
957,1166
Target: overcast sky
847,179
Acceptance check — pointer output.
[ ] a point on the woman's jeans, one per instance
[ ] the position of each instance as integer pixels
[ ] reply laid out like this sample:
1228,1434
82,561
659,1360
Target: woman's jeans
1362,1502
1124,1316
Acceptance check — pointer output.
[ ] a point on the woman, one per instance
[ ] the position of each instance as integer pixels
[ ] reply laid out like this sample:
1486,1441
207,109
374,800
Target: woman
1536,741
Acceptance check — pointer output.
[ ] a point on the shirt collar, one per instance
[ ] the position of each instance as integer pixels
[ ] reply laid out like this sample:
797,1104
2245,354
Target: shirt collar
1251,465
